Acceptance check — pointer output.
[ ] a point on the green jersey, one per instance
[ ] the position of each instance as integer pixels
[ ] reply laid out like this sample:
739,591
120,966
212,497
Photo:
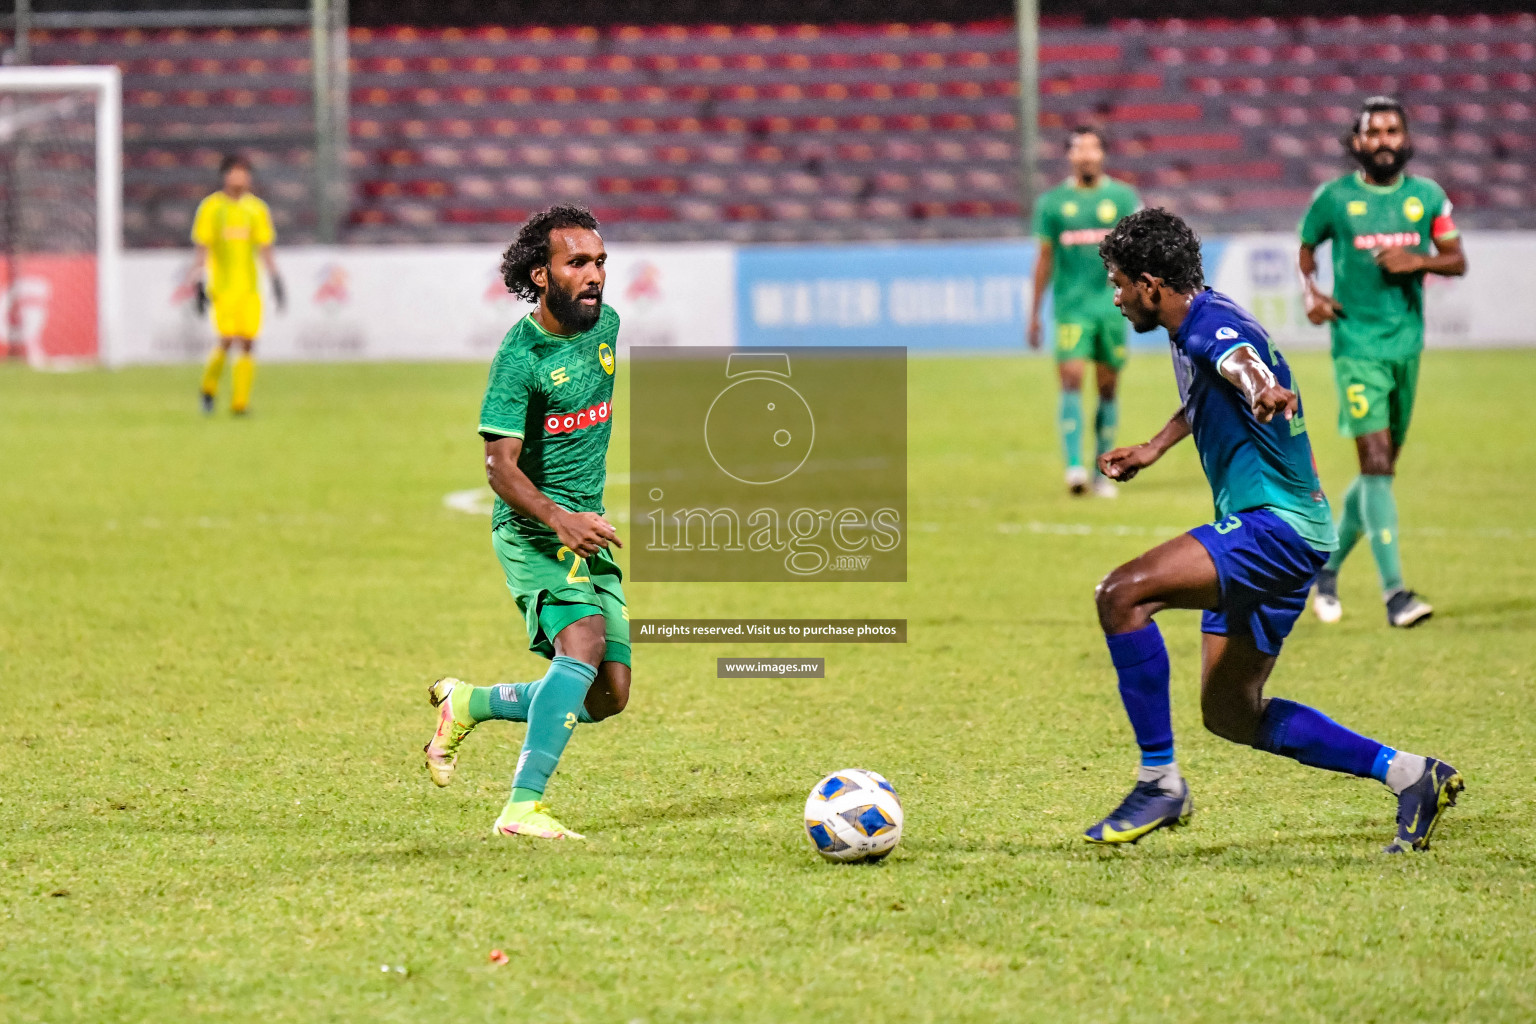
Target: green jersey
1383,313
1074,220
556,393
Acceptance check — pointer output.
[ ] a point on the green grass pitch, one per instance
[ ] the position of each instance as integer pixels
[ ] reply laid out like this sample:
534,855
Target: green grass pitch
215,638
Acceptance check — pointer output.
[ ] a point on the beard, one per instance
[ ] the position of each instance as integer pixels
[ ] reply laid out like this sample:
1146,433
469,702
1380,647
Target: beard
569,309
1384,164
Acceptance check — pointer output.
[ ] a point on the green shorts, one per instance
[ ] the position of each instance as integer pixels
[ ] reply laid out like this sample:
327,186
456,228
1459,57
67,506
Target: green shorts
1376,394
553,588
1098,339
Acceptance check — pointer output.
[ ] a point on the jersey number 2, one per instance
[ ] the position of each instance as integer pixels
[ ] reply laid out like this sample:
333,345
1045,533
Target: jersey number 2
576,566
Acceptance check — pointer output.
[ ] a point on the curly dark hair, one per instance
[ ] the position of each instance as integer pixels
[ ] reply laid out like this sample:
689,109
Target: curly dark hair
1158,243
531,249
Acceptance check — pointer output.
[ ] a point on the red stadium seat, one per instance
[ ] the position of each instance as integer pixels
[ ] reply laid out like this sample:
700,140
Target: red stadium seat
799,123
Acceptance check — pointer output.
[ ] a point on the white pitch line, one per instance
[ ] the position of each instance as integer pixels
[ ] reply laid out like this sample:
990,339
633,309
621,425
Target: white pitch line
477,501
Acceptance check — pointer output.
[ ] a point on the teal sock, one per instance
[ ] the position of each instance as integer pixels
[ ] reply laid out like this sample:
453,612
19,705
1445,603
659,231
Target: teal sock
1350,526
522,796
1379,509
1105,419
508,702
552,716
1069,420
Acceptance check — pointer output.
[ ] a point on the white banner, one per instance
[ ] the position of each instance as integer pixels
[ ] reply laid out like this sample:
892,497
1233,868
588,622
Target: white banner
1489,307
423,302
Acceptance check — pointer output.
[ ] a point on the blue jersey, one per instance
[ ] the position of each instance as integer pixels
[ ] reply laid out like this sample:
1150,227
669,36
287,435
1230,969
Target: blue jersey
1249,464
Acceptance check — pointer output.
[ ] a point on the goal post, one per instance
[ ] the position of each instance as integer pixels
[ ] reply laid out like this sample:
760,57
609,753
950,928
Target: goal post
61,214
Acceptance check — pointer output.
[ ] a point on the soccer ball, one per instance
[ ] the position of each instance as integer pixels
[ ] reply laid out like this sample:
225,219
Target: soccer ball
852,815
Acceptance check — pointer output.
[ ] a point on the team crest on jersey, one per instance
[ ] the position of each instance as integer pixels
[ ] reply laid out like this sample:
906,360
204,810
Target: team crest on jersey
1413,209
1356,207
1107,210
1069,208
605,356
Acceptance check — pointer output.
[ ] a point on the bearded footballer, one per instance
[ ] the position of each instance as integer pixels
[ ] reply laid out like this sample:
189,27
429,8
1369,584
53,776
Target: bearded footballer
1388,230
546,420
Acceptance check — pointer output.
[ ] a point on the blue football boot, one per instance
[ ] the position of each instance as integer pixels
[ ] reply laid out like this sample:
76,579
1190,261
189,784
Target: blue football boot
1147,809
1420,806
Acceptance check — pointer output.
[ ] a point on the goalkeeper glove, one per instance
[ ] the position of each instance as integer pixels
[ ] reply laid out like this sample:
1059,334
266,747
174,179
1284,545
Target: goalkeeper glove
200,299
279,294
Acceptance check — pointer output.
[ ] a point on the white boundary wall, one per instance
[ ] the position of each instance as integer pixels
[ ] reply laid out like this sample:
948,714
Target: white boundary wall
426,302
447,302
1492,306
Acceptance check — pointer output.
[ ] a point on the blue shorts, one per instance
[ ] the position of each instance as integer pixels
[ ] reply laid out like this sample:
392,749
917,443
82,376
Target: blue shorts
1265,569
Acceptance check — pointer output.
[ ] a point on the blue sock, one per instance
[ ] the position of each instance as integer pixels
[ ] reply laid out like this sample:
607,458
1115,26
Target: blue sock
1311,737
1141,661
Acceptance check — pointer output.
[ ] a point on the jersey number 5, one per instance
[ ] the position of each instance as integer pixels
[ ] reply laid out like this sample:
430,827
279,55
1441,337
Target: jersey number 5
576,565
1359,405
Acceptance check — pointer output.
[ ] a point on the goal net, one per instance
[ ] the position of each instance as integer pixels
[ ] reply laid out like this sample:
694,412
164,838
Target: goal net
60,213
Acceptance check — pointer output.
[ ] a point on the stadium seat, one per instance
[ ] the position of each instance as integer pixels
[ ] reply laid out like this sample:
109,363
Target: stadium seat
867,130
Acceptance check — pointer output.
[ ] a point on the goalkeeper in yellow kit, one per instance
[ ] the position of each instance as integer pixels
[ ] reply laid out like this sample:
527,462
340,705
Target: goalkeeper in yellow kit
231,229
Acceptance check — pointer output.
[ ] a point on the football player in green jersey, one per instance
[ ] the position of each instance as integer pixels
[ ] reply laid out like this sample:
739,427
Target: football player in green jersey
546,420
1070,222
1388,230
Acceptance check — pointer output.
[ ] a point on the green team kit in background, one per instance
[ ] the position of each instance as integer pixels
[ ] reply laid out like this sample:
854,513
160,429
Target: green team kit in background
556,394
1074,219
1377,339
1380,335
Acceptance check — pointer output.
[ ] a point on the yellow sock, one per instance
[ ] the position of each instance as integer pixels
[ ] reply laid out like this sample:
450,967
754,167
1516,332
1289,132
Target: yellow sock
245,372
212,371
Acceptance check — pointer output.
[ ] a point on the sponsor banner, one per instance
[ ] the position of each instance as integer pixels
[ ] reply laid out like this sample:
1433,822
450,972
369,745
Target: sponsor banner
954,295
423,302
448,302
962,295
1490,306
49,310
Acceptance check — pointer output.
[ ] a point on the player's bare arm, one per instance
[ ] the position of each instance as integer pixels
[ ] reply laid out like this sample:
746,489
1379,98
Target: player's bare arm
1247,372
1123,464
1448,260
1045,262
582,532
1321,308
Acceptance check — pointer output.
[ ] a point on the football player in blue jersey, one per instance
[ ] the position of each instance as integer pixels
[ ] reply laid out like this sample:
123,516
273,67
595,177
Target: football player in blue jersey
1249,571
